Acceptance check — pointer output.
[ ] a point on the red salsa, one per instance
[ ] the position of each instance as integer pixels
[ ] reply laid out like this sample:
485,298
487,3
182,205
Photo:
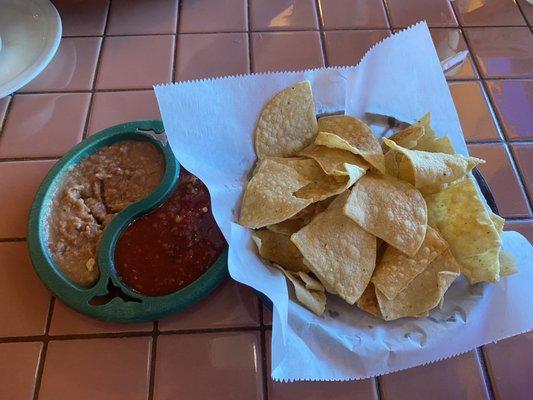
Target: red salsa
173,245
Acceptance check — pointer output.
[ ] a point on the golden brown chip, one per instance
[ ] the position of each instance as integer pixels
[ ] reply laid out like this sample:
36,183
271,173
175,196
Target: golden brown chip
287,123
338,251
310,282
424,292
395,270
429,134
507,264
431,171
269,197
313,300
390,209
289,226
333,161
357,134
461,218
497,221
369,302
279,249
408,138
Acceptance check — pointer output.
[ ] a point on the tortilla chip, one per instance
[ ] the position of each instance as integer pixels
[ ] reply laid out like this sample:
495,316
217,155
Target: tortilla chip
461,218
288,227
390,209
395,271
424,292
357,134
279,249
392,163
408,138
269,197
338,251
429,134
310,282
507,264
313,300
497,221
438,145
428,170
333,161
287,123
321,186
369,302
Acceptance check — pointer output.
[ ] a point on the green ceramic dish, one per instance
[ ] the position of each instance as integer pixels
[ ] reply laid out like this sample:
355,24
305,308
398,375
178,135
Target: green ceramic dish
110,299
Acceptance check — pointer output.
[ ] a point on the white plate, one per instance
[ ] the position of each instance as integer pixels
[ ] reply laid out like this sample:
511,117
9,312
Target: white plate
30,31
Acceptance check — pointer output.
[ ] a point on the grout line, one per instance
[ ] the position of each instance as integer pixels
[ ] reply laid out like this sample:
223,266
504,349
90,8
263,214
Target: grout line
500,125
519,219
387,13
40,367
175,58
485,373
3,122
264,366
96,73
523,13
377,384
153,355
249,37
10,159
322,37
210,330
2,240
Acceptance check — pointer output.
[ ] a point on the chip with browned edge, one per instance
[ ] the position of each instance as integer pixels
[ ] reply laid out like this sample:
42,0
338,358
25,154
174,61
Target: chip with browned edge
390,209
279,249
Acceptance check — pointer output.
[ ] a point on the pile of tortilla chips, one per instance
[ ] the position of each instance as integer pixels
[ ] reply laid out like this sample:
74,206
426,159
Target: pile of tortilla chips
386,226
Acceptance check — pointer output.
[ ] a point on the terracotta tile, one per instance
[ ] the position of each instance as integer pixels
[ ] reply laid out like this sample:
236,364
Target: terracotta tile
209,55
502,179
66,321
523,227
24,298
18,369
513,101
17,194
476,117
82,17
349,390
448,42
455,378
203,366
510,368
135,62
502,52
282,14
128,17
72,68
96,369
213,16
527,9
44,125
283,51
349,14
488,13
112,108
230,305
523,154
407,12
348,47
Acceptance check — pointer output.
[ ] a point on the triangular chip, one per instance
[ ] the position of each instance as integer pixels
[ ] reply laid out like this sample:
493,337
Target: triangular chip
429,134
310,282
390,209
313,300
369,302
333,161
357,134
408,138
288,227
431,171
269,197
338,251
507,264
395,270
461,218
279,249
287,123
424,292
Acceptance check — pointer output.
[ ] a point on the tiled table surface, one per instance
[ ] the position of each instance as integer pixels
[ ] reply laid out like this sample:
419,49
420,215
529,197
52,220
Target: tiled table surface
111,54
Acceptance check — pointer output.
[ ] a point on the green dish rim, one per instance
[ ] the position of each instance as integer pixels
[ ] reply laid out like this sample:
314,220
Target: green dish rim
136,307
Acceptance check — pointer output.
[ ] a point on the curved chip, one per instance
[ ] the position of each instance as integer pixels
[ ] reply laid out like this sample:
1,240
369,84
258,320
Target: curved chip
333,161
424,292
287,123
357,134
369,302
338,251
431,171
408,138
461,218
269,197
279,249
288,227
395,270
390,209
